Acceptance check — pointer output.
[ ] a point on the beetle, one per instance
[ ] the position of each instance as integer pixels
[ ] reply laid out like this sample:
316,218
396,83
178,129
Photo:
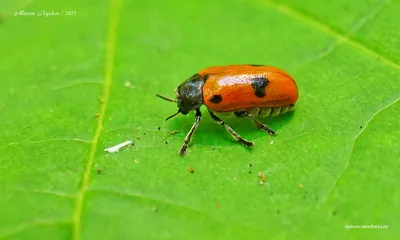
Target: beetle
243,90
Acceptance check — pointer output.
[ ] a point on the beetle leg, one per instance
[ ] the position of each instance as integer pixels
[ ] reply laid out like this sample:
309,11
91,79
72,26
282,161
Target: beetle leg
190,133
232,132
259,124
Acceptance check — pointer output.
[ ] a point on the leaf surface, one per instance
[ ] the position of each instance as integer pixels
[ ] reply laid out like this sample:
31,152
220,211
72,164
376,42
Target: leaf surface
74,85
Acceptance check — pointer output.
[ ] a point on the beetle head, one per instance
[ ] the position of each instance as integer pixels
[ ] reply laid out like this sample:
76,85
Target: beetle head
189,95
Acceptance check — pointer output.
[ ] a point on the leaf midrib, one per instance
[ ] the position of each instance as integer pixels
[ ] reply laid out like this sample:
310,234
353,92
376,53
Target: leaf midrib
114,8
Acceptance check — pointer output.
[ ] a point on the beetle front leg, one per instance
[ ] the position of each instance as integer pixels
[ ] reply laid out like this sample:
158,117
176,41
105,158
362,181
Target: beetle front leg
190,133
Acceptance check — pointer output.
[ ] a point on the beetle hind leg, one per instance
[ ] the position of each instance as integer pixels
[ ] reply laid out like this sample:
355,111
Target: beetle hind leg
256,123
232,132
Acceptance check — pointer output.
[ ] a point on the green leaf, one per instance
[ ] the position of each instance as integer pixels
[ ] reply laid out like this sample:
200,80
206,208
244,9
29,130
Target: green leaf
334,162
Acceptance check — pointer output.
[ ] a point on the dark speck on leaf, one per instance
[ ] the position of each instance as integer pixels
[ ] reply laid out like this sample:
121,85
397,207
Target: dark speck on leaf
334,213
360,126
166,142
250,165
249,172
159,128
99,171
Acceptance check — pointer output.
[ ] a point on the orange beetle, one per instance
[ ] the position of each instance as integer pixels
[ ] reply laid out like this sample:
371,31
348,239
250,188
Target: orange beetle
245,90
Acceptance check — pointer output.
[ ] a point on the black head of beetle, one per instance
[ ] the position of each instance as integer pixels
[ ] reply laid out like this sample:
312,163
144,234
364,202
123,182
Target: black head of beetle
189,95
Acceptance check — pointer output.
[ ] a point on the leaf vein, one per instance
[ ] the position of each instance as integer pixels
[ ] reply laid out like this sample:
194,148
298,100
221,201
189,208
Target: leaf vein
114,8
329,30
46,140
358,26
352,148
48,192
186,208
137,195
74,84
6,233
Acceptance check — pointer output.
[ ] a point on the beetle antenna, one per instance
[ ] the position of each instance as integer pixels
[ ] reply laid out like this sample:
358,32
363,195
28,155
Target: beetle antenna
173,115
165,98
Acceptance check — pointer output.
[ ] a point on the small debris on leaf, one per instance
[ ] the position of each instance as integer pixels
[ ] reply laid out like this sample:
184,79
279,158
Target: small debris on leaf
117,147
129,85
159,128
96,115
99,171
154,209
262,176
191,170
174,132
101,100
301,186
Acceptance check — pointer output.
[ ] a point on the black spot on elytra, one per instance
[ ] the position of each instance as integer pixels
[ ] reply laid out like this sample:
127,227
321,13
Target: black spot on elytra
259,84
216,98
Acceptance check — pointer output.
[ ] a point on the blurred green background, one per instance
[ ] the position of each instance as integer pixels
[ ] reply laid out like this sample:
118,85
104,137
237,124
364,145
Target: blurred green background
75,83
